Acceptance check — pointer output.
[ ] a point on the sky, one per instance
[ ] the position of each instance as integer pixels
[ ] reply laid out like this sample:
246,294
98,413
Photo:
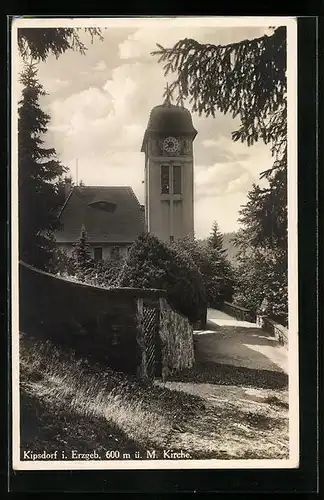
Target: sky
100,103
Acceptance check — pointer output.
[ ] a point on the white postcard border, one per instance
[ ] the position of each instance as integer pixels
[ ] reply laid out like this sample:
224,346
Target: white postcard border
120,22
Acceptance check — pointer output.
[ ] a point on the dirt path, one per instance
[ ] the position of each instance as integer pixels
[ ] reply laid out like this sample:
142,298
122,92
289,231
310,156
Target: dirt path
237,423
241,374
239,343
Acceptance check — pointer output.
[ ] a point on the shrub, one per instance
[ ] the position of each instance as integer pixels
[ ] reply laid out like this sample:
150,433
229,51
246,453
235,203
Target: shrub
215,270
154,264
206,261
263,273
104,272
61,263
81,267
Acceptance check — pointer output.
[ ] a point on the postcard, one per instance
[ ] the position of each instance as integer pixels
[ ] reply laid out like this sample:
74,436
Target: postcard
154,243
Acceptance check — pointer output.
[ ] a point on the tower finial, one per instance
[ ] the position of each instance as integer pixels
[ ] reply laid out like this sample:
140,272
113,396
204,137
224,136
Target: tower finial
168,96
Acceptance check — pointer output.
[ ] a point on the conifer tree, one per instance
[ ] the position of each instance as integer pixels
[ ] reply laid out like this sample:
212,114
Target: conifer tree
264,216
39,43
215,239
39,174
223,265
262,253
246,79
81,252
41,189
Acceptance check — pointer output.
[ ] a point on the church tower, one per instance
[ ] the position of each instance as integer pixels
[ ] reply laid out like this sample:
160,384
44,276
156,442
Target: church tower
169,179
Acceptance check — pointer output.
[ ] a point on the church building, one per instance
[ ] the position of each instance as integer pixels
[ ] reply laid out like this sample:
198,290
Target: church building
112,215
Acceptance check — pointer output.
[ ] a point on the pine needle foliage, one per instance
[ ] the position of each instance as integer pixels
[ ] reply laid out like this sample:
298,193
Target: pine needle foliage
246,79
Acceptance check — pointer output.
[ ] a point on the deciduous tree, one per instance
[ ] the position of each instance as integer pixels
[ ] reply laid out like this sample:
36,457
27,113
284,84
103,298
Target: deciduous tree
154,264
207,261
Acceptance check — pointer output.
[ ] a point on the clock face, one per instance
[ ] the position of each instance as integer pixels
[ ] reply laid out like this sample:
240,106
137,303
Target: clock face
171,144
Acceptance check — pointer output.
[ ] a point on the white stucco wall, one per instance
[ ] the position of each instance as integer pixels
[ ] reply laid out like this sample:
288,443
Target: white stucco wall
158,208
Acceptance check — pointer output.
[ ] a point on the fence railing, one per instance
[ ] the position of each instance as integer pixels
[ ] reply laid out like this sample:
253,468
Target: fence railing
269,325
238,312
280,332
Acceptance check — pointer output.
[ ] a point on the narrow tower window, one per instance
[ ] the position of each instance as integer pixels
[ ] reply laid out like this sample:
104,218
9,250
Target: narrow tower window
177,188
165,179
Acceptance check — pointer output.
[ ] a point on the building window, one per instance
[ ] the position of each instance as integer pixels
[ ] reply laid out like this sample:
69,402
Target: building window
177,179
115,252
165,179
97,253
103,205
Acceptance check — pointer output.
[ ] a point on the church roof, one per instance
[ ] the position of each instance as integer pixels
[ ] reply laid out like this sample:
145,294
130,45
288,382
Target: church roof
168,119
109,215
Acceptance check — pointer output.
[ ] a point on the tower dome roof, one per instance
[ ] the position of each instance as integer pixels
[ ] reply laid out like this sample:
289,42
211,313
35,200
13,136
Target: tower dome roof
168,119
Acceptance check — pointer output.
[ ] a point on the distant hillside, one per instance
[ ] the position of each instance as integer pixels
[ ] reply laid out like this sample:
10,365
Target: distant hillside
227,243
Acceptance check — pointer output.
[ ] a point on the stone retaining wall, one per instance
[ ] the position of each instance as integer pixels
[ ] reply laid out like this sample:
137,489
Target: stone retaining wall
128,329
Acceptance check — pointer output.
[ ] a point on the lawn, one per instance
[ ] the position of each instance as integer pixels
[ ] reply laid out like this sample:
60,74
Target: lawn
69,404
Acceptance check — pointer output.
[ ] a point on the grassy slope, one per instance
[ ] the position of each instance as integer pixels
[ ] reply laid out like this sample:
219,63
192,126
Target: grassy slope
67,404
